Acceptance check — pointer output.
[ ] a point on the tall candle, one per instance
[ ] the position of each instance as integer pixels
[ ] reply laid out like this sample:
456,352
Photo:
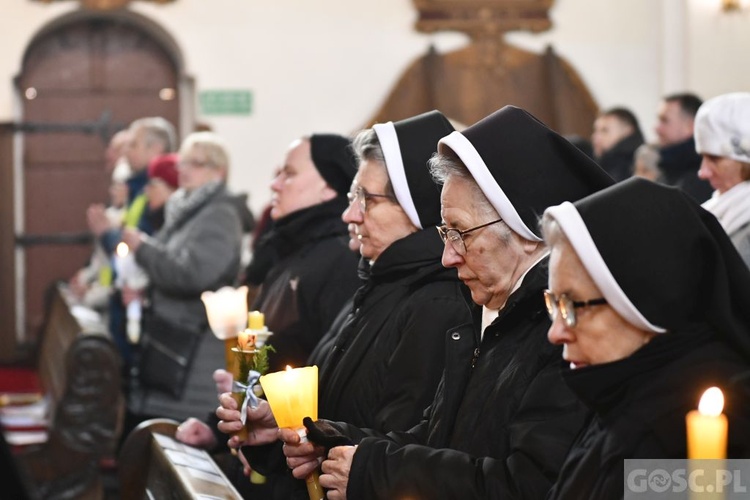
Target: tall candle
707,427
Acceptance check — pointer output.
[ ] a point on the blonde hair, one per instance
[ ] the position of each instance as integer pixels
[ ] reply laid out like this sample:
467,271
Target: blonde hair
211,145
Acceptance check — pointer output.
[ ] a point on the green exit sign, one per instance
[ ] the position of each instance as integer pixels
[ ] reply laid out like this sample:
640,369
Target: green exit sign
226,102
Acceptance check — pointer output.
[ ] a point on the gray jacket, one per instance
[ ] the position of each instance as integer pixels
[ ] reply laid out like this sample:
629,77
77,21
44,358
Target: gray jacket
201,253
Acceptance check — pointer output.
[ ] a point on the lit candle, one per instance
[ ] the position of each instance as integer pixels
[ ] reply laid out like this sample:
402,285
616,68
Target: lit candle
123,261
255,320
707,427
293,395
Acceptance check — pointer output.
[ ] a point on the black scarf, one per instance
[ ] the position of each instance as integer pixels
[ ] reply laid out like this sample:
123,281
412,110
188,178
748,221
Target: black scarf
602,387
289,234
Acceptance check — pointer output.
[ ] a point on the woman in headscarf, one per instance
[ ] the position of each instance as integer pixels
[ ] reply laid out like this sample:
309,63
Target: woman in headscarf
387,358
381,363
722,137
652,305
303,262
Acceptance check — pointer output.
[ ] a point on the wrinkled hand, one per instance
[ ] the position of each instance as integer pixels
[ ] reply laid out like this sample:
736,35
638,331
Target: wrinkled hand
223,380
97,219
302,458
336,467
132,238
196,433
260,421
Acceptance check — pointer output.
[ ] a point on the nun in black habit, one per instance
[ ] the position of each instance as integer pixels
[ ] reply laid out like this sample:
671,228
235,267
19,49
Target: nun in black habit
652,305
380,366
502,419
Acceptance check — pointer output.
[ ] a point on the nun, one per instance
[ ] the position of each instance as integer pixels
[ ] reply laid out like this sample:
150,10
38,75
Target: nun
651,303
388,357
502,419
381,364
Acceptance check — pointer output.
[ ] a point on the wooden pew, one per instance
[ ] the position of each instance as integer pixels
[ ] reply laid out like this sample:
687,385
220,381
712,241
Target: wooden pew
152,464
78,368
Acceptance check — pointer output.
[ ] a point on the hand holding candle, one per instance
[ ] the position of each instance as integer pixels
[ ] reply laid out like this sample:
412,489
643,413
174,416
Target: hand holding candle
707,427
293,395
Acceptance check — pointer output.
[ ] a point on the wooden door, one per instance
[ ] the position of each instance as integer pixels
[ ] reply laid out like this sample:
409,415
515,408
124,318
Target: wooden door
100,69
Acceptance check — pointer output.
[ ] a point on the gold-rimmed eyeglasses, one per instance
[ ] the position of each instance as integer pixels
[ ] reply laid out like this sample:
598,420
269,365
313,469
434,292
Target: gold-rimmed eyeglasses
361,197
567,306
456,236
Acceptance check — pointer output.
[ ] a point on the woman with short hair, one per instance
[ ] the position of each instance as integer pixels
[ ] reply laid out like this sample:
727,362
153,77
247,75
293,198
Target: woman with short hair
197,249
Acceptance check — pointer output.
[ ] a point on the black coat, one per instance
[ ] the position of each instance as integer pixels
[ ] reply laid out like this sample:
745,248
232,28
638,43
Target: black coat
387,359
501,423
618,161
313,274
679,166
640,405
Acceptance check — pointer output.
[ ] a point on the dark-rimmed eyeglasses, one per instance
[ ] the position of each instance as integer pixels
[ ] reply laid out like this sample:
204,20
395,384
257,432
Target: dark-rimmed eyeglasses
456,236
567,306
362,197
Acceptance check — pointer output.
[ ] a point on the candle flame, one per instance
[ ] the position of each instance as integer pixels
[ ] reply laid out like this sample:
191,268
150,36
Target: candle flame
288,368
122,249
712,402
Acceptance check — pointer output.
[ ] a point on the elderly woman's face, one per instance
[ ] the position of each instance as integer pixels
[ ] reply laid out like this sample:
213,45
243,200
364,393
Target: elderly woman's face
194,170
723,173
600,335
492,264
384,221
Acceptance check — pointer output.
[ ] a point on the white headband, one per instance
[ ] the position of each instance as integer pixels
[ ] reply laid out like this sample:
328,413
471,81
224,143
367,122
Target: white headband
575,229
487,183
394,163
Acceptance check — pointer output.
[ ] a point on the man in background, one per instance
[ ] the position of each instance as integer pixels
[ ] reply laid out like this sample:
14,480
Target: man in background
616,137
679,161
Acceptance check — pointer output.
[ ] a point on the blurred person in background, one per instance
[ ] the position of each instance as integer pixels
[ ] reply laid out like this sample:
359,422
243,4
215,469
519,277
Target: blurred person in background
722,137
616,137
678,161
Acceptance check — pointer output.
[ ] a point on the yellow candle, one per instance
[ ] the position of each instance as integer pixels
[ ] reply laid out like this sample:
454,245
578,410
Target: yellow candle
255,320
707,427
293,395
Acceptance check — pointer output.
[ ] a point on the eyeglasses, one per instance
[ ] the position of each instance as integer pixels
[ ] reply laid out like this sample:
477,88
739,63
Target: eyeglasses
567,307
456,236
361,196
187,162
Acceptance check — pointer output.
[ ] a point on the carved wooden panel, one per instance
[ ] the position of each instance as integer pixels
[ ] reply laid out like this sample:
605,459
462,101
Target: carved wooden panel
471,83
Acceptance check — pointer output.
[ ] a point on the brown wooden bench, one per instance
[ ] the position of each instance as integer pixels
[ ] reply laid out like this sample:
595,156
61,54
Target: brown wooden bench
78,369
152,464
